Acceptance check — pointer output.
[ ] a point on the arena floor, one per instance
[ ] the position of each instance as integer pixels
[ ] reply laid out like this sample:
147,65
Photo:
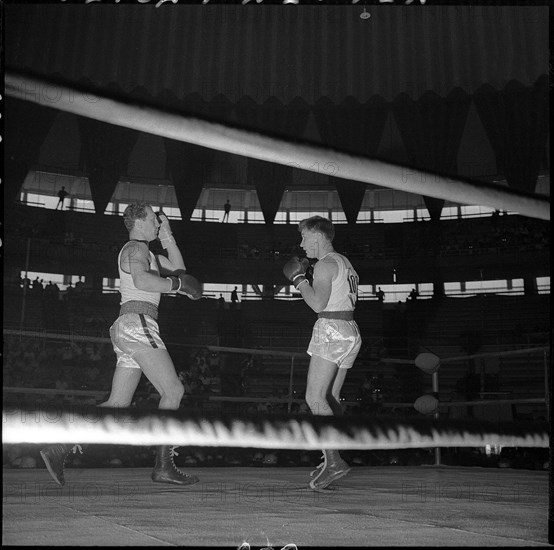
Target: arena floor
385,506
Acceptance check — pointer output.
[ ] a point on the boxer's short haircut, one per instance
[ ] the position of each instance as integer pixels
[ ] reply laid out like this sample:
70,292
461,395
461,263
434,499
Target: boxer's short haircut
318,224
135,211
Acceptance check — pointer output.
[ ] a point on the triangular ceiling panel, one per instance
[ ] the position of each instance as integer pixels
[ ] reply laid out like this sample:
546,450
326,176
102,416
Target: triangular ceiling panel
148,158
64,130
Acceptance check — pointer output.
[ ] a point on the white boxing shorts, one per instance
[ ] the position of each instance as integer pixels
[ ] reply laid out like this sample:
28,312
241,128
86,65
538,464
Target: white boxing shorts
336,340
131,333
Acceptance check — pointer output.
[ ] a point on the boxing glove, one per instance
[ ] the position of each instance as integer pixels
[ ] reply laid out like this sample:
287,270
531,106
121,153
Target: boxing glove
186,284
295,270
164,233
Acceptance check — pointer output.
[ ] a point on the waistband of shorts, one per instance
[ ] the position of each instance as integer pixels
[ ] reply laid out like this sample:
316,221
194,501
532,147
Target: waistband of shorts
343,315
138,306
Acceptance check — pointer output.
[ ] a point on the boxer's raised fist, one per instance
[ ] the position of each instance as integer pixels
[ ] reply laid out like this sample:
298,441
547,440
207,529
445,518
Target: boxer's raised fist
295,270
164,233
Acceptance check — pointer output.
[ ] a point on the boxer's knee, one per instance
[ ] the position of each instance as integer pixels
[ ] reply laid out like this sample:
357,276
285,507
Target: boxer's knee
317,402
173,393
335,404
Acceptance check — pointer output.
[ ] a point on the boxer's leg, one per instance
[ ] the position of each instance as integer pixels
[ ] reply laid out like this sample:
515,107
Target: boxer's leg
322,374
124,384
54,457
334,397
157,366
159,369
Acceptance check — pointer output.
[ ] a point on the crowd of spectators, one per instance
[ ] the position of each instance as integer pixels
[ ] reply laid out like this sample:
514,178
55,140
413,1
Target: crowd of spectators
80,365
479,236
51,290
461,236
40,363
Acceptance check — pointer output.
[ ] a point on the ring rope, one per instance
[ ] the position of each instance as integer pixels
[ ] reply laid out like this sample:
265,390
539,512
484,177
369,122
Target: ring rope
89,424
507,353
43,392
267,148
105,340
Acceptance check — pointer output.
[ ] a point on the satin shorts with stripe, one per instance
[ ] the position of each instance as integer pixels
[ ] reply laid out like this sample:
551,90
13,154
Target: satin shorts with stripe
131,333
336,340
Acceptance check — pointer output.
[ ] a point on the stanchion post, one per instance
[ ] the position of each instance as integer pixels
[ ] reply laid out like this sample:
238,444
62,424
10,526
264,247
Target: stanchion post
435,377
290,383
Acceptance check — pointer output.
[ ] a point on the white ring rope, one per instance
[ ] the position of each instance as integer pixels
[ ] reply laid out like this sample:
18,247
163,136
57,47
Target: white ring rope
507,353
89,424
263,147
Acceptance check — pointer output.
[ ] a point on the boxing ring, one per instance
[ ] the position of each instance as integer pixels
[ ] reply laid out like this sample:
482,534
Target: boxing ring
268,505
432,505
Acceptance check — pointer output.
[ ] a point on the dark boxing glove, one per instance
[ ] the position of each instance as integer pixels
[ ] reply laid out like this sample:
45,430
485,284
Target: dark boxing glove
295,270
186,284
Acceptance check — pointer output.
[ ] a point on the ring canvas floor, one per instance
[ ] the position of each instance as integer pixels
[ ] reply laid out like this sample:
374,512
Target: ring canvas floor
269,506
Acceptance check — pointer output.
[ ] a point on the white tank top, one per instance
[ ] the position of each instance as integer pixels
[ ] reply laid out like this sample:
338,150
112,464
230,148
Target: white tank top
127,287
344,289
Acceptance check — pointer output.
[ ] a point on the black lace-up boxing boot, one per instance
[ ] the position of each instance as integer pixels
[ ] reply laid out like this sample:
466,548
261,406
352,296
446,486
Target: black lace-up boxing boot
165,470
54,457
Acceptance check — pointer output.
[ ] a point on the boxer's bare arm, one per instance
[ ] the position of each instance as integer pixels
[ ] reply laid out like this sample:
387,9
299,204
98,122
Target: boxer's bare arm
135,260
317,294
174,261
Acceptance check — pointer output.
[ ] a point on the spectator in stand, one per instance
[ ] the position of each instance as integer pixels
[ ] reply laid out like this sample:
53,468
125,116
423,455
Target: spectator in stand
48,289
234,297
25,283
264,408
92,377
205,382
413,294
62,193
184,377
227,208
71,354
79,286
37,286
